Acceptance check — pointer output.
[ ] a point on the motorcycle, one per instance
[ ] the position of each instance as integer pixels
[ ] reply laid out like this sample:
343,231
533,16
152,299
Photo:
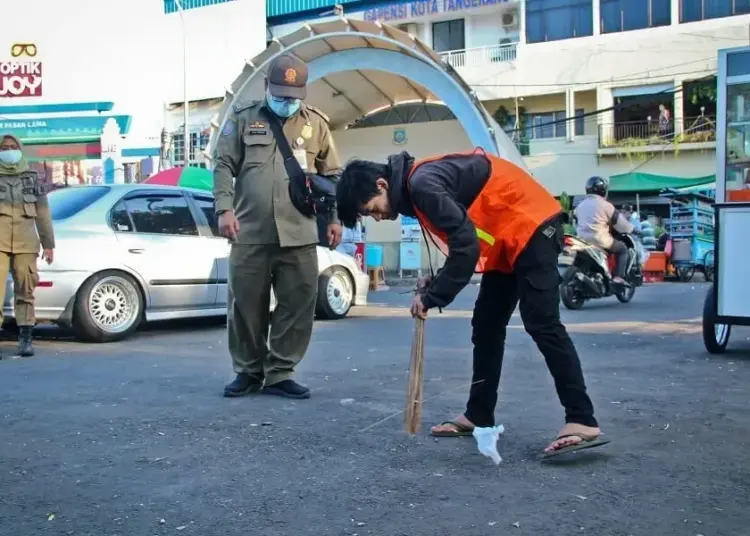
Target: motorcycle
586,272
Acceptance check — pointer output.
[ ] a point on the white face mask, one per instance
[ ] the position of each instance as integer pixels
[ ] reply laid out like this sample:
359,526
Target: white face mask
10,157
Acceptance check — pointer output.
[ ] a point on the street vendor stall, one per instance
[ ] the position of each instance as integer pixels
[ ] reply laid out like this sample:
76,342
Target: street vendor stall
727,302
691,229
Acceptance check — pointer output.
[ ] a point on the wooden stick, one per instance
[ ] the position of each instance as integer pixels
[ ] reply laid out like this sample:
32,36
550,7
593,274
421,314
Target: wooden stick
414,393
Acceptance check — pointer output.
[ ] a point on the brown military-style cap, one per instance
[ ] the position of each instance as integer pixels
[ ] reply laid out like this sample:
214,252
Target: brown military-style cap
287,77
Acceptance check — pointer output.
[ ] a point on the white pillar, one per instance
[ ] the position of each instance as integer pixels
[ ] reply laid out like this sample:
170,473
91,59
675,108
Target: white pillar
522,22
605,120
675,12
597,17
678,113
570,110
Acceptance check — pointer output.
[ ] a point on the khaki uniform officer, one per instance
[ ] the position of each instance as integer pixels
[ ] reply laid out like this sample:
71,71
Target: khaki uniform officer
24,222
273,244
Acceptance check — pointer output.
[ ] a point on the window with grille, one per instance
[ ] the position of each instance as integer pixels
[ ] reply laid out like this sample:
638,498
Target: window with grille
695,10
553,20
198,142
624,15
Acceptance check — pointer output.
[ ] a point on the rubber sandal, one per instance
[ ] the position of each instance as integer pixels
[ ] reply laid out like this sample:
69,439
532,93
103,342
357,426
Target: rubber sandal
587,442
461,430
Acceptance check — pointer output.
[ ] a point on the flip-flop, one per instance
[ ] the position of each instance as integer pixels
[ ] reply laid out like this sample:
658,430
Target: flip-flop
461,430
587,442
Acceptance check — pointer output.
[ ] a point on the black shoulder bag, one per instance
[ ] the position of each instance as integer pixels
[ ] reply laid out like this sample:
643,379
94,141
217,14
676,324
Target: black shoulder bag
310,194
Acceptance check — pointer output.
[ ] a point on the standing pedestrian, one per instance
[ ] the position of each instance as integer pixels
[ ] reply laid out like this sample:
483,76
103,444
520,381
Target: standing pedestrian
25,224
488,215
273,243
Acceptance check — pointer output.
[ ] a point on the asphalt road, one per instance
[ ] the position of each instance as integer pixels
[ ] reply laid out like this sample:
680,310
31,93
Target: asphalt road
135,439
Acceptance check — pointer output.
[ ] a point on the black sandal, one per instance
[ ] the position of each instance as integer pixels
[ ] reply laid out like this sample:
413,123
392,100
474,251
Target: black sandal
461,430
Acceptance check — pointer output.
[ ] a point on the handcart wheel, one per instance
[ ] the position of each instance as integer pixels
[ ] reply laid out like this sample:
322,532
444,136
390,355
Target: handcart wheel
715,336
708,266
686,273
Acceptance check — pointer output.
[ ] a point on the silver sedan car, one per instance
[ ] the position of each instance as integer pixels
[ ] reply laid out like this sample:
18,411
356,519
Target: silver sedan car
132,253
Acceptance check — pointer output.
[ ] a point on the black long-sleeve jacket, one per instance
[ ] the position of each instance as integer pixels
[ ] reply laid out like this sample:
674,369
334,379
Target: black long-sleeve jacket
443,190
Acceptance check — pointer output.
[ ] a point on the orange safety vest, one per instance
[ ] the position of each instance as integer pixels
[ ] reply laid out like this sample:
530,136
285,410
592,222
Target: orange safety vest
506,213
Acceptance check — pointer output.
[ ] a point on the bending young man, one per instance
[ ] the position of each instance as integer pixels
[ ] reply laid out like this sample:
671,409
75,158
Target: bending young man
490,216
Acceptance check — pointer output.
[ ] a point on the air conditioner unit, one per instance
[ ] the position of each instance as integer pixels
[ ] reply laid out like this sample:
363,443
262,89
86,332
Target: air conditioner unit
510,19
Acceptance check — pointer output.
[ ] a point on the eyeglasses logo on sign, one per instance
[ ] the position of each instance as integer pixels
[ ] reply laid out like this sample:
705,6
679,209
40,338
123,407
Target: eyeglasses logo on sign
21,77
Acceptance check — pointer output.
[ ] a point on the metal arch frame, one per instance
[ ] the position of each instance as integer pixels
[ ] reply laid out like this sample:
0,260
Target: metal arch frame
396,63
437,71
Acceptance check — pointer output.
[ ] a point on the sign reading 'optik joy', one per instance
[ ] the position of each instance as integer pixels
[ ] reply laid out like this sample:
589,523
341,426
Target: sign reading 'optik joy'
21,78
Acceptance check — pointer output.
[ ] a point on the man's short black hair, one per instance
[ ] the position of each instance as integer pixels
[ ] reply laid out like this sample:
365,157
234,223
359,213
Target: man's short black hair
356,187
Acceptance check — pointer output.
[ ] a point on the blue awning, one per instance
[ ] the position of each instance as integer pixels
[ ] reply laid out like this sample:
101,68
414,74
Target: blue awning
71,107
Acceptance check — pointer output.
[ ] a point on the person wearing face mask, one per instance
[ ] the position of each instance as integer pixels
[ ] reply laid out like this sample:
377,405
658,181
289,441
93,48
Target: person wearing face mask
25,225
273,243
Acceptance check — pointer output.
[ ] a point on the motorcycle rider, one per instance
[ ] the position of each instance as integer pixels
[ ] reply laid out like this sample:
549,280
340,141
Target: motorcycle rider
596,218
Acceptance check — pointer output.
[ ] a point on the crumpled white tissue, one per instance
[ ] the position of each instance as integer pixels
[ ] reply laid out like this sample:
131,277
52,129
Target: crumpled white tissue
487,441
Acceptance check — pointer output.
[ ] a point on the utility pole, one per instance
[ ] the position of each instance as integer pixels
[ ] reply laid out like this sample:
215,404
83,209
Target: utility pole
186,102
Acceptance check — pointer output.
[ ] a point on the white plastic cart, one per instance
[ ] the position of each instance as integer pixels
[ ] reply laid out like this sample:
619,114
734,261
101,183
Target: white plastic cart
727,303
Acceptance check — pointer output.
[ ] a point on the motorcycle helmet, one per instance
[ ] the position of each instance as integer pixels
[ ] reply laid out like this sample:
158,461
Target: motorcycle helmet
597,185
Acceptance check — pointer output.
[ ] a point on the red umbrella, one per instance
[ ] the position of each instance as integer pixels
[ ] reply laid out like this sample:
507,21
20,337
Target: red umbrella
186,177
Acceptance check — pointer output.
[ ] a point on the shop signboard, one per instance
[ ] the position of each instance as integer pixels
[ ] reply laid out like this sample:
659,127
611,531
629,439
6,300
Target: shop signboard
62,129
412,10
63,152
21,74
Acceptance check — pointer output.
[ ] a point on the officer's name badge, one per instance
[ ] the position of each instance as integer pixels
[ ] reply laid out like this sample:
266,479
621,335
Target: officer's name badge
257,129
307,132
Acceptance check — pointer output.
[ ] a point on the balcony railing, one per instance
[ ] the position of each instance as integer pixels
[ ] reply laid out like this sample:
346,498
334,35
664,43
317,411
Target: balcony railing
473,57
644,133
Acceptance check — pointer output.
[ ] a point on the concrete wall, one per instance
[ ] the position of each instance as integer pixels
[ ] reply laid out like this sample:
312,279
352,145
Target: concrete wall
131,53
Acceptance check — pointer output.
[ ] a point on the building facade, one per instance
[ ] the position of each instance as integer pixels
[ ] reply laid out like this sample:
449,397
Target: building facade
109,85
620,88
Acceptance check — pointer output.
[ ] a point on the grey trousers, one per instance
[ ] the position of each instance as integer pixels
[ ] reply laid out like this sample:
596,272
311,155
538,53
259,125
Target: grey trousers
293,274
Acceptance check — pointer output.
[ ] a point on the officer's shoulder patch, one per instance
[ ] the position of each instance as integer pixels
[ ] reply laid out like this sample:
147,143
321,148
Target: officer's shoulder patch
244,105
229,125
319,112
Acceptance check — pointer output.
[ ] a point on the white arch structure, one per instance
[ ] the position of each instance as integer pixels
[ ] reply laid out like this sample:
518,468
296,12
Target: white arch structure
358,67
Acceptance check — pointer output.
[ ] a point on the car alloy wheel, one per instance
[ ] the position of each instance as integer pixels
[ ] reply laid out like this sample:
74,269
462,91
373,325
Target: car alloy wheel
339,292
113,304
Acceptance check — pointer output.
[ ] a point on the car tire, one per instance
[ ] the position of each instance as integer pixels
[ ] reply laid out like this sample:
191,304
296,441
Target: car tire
108,307
335,293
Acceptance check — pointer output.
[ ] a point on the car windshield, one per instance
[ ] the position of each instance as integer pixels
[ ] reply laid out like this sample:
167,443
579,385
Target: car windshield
67,202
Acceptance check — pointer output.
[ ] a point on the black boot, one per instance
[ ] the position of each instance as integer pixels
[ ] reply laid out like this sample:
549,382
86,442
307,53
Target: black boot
24,341
243,384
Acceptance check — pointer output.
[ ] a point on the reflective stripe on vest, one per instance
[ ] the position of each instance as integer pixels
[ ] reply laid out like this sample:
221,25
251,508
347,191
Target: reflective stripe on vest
487,237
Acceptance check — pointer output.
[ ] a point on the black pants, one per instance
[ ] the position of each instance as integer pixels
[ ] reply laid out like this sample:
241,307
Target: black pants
535,284
620,251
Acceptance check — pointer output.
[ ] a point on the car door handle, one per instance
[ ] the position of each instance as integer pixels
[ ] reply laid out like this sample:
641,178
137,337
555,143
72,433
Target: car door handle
137,251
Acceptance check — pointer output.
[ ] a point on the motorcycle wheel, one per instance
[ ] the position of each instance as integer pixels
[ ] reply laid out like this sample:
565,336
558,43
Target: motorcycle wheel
567,292
624,295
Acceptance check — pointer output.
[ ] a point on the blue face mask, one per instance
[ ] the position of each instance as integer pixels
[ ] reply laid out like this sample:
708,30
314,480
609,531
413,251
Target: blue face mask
10,157
283,106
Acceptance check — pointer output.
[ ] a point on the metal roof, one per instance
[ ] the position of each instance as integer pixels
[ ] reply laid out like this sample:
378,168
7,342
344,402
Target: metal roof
358,68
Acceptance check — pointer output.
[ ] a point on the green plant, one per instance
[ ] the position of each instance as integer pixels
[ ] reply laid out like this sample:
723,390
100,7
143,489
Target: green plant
501,116
702,92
